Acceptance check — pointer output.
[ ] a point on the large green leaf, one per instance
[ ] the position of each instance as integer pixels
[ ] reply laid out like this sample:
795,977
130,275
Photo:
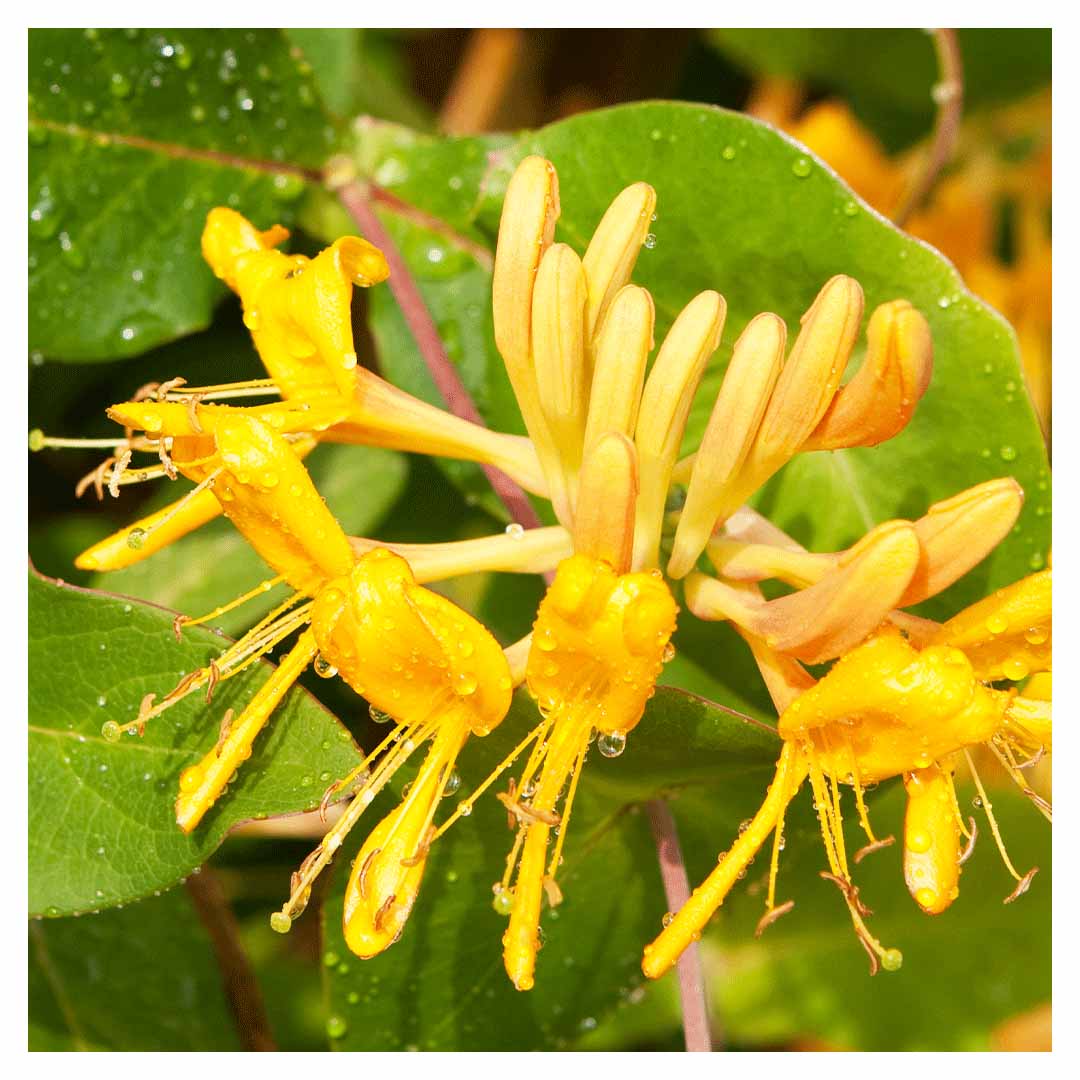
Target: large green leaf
887,75
145,978
101,826
215,564
134,136
744,210
442,986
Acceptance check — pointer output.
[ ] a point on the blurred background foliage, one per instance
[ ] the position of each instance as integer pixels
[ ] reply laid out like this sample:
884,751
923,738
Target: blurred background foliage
144,975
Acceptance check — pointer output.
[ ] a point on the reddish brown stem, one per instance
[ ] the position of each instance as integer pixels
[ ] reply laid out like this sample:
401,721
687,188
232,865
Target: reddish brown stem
949,97
355,198
241,986
695,1007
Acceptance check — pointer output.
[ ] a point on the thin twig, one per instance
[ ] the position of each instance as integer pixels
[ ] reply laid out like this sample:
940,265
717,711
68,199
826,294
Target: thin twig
241,986
948,94
695,1007
354,197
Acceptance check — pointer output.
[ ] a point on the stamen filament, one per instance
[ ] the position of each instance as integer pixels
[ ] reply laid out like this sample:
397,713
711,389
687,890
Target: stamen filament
988,807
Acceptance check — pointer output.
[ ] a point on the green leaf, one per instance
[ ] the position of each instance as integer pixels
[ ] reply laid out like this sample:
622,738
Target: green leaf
361,72
134,136
215,564
101,826
887,75
743,210
442,986
145,978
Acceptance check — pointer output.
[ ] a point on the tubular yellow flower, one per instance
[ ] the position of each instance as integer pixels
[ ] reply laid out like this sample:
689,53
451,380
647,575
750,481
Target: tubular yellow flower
888,708
763,415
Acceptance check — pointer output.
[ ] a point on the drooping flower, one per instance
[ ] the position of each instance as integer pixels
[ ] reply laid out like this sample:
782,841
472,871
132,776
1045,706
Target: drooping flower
894,707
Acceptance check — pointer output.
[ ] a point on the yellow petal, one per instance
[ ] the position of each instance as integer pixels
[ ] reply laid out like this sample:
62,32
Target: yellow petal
621,353
931,839
665,405
898,709
958,533
733,424
1008,635
812,373
830,617
562,379
526,230
607,497
880,400
614,249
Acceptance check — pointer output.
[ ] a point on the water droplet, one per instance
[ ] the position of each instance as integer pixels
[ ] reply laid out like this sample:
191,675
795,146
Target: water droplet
1036,562
977,802
119,85
1015,669
515,531
191,778
656,134
611,744
128,334
503,902
801,167
851,208
44,216
110,730
668,919
1008,453
136,538
650,241
379,716
997,624
464,808
323,668
728,153
453,782
336,1027
197,114
251,319
668,654
465,684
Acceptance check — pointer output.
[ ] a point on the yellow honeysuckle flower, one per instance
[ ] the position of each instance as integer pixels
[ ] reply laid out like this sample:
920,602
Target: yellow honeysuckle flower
298,312
768,411
409,651
892,708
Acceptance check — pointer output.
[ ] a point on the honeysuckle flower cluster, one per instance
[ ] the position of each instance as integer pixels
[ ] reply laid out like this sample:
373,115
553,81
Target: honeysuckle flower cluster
904,697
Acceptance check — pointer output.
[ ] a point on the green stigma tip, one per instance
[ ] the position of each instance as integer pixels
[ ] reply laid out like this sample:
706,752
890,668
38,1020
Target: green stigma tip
36,440
280,922
892,959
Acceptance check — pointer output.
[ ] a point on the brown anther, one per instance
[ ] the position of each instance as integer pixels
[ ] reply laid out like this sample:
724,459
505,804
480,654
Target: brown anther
511,817
298,898
193,413
850,891
526,814
381,914
309,858
421,852
182,686
212,681
870,848
223,732
147,390
1038,800
97,478
122,462
178,623
970,847
168,386
324,803
361,879
166,461
1022,886
772,915
552,892
1034,759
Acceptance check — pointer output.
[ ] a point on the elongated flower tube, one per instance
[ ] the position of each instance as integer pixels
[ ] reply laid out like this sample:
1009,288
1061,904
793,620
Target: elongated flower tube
888,708
843,596
766,413
599,642
549,309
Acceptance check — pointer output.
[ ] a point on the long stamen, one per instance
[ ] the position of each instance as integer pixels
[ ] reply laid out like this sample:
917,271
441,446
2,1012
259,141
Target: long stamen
221,391
1017,777
263,587
988,807
414,735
